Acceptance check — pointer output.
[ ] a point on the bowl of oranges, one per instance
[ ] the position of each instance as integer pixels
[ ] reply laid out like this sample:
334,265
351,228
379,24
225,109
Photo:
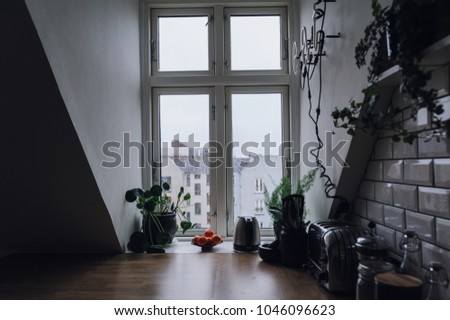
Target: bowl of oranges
207,241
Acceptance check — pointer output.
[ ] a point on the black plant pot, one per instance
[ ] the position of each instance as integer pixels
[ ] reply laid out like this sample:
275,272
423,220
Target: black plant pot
293,247
168,223
277,226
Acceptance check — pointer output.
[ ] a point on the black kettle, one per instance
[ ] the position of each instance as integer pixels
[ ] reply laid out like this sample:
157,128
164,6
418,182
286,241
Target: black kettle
246,235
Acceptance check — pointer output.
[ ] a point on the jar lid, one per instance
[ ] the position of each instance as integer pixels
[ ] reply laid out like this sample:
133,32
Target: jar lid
372,246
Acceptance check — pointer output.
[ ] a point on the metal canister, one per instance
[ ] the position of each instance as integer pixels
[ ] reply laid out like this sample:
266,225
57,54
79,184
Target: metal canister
367,270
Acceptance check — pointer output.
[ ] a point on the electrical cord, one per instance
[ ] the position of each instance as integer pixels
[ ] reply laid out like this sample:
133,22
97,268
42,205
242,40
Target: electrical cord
308,71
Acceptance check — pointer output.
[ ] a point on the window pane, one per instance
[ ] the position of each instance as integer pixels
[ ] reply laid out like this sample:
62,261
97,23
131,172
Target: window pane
255,42
184,136
257,161
183,43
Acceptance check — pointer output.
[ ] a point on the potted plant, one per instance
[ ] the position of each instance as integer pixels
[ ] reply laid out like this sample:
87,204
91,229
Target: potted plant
159,213
408,25
274,200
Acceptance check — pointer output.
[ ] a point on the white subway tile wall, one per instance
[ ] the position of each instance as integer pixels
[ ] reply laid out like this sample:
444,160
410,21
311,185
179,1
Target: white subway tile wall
442,173
435,201
383,192
419,172
394,217
443,233
422,224
434,148
375,211
393,170
407,187
388,234
405,196
403,150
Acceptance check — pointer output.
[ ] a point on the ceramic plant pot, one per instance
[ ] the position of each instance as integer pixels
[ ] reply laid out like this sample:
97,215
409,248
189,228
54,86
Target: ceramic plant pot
168,222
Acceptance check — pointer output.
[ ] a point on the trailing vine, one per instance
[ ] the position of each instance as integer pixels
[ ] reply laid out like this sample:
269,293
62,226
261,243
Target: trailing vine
404,22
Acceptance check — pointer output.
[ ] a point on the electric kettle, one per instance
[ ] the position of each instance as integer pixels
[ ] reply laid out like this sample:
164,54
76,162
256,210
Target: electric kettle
246,235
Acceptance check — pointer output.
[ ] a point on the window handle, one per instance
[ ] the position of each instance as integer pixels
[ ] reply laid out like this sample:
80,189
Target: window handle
152,50
285,55
211,18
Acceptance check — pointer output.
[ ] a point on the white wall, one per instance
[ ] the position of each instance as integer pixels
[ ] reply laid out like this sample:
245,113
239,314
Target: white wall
342,80
93,50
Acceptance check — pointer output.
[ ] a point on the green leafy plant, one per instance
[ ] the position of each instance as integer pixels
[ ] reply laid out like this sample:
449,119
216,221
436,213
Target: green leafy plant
405,21
155,202
274,200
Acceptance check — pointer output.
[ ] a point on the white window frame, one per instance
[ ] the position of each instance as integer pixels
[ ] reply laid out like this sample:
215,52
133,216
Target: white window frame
266,11
285,135
154,40
218,82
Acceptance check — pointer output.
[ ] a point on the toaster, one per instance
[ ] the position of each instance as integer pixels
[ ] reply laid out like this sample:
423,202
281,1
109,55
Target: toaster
332,253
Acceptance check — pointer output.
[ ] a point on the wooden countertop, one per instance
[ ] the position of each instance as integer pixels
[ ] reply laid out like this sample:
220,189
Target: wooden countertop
181,276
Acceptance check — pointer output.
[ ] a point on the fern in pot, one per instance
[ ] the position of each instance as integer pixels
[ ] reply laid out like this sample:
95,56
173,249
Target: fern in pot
274,200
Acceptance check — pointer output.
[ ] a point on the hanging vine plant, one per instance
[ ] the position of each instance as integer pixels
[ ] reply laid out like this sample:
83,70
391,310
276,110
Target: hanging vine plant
404,24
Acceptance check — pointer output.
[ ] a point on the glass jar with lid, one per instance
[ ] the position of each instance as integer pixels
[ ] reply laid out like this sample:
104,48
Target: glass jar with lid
367,270
410,244
435,278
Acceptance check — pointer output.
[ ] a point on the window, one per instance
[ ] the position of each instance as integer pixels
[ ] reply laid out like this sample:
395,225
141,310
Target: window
198,208
259,185
198,189
256,39
259,206
181,40
188,180
208,77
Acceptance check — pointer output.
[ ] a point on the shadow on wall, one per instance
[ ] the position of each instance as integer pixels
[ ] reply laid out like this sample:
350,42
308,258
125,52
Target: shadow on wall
51,202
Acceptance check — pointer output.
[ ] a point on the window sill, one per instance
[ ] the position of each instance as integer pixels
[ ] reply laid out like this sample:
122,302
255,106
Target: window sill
183,245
